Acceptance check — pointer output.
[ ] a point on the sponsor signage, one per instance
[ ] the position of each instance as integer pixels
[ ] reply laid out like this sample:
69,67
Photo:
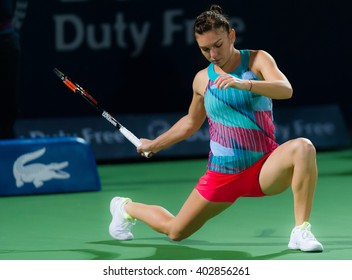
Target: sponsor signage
107,142
126,57
323,125
47,165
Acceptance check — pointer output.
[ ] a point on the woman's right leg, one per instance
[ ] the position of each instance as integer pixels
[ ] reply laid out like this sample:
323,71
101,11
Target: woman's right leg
192,216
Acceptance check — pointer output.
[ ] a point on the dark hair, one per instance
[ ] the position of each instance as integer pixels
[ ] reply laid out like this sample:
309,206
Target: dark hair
210,20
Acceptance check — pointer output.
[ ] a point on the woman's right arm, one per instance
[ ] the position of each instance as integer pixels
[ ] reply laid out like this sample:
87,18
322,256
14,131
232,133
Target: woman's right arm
184,127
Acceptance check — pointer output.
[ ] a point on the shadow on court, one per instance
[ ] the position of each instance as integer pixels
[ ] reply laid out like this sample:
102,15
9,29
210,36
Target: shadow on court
144,249
182,252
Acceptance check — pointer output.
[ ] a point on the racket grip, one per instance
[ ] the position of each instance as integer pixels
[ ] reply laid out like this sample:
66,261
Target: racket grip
133,139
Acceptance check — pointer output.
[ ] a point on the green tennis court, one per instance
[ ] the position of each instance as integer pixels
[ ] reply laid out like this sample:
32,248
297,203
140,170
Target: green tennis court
74,226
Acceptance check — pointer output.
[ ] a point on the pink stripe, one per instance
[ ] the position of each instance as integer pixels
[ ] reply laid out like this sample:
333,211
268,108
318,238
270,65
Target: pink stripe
247,139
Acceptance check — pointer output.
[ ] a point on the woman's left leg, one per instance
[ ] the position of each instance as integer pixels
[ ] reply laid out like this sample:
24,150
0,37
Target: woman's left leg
292,164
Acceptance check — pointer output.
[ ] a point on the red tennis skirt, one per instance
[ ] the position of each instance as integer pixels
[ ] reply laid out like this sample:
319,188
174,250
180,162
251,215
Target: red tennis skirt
221,187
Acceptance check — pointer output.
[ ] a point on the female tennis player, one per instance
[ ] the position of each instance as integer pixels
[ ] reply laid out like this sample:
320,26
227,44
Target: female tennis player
235,94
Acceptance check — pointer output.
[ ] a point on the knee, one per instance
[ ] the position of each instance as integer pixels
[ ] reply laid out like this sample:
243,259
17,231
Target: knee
304,147
177,235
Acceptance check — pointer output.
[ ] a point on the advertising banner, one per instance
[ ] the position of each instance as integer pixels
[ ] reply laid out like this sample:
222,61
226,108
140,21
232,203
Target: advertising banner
133,56
47,165
323,125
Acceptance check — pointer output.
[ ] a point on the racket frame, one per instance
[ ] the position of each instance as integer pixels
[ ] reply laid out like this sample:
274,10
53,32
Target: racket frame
76,88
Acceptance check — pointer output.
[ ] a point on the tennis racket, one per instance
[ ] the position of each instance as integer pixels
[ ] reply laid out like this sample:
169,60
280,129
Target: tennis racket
79,90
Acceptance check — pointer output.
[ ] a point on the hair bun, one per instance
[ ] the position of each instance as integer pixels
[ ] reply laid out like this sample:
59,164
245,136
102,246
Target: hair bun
216,8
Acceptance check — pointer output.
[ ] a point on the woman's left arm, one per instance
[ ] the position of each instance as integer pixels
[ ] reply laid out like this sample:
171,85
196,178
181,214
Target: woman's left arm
273,83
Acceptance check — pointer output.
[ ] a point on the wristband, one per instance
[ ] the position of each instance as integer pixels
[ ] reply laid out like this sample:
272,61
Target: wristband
250,85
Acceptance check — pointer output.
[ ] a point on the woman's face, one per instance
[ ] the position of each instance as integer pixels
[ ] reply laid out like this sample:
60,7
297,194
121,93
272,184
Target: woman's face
216,45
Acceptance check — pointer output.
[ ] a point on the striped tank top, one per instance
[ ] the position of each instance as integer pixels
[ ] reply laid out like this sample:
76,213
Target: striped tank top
241,123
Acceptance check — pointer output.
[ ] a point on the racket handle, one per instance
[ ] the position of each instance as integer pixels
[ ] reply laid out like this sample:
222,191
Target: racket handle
133,139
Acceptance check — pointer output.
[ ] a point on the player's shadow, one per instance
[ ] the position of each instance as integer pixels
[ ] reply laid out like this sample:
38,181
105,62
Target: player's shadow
140,250
181,252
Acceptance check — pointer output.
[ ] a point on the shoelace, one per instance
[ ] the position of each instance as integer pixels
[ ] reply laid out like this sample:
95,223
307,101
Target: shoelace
307,234
127,225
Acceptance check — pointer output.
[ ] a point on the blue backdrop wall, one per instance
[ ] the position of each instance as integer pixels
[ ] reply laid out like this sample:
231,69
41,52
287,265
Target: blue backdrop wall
132,54
138,58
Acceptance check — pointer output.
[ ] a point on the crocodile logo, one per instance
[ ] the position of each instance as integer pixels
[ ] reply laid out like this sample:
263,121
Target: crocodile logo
37,173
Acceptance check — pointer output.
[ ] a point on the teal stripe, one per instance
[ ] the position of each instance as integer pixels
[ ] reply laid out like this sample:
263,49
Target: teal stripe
222,113
220,151
229,164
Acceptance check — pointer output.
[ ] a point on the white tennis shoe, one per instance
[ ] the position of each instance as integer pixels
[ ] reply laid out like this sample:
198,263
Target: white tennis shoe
121,224
303,239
